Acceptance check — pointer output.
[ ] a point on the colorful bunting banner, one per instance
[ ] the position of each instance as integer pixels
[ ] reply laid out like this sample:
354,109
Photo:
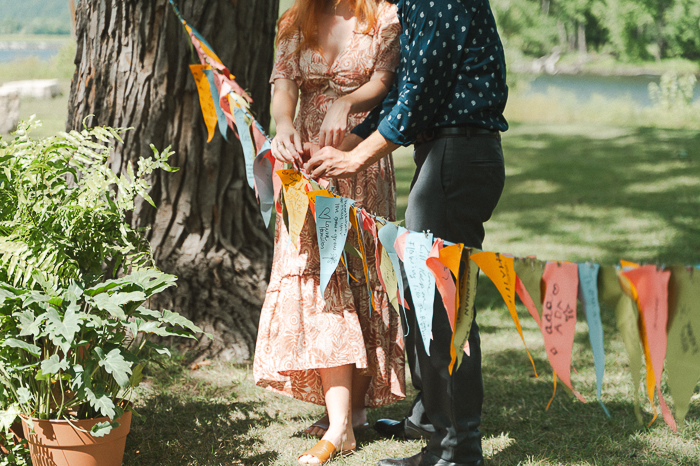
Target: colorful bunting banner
657,311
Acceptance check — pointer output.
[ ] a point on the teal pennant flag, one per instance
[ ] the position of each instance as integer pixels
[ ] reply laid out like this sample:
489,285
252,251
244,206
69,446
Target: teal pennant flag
332,222
588,294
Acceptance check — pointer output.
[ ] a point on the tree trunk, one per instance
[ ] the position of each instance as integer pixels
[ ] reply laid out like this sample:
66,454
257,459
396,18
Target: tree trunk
581,41
132,71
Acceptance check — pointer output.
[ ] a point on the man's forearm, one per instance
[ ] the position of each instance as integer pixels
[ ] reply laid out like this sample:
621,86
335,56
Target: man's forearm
371,150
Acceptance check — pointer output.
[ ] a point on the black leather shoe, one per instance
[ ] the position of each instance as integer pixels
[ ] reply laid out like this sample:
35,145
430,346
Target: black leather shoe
403,429
411,461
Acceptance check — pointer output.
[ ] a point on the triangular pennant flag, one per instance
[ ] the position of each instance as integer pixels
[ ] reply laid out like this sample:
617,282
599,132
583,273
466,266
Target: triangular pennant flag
559,318
356,221
221,118
588,295
529,284
465,312
631,290
451,257
387,235
381,254
652,289
206,102
296,202
312,198
499,269
683,351
243,125
611,293
443,279
332,221
264,186
420,282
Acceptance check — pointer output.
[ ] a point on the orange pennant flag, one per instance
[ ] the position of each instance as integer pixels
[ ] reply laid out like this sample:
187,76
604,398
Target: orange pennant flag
651,287
499,269
205,99
631,290
559,318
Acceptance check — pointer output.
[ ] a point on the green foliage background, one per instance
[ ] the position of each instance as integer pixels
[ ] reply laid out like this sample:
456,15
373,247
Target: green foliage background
34,17
628,29
631,30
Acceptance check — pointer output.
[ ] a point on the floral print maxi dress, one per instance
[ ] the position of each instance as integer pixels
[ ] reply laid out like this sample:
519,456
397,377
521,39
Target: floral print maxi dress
301,330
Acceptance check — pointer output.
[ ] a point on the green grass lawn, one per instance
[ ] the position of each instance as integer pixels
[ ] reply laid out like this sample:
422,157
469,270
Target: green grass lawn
573,193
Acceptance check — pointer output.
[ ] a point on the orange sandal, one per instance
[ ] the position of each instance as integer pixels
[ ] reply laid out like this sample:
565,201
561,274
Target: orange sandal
324,451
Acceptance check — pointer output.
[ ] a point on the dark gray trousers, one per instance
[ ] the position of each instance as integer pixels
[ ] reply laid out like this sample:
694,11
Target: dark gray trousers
456,187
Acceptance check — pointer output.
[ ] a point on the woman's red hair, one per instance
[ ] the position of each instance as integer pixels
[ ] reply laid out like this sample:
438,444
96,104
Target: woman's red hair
304,16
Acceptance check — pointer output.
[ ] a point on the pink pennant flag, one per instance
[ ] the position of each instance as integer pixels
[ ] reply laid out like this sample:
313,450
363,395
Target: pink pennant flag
559,318
527,300
400,244
443,279
652,298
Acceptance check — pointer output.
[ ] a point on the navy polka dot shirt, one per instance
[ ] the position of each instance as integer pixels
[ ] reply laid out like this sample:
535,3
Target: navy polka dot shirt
452,71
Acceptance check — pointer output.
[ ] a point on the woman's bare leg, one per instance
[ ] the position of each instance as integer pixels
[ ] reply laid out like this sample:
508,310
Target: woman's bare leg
360,385
337,388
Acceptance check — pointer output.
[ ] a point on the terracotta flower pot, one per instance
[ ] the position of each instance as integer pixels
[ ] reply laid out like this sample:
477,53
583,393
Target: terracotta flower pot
57,443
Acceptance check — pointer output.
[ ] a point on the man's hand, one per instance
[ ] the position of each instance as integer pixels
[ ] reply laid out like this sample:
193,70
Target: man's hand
331,163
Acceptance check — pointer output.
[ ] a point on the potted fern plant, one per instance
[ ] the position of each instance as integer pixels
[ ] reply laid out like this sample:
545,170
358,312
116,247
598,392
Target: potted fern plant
75,280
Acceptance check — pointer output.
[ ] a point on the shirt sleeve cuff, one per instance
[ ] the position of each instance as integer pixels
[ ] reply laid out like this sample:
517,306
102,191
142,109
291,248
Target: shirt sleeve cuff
392,134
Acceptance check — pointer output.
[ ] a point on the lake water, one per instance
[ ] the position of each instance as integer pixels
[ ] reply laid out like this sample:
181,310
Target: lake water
582,86
609,87
13,50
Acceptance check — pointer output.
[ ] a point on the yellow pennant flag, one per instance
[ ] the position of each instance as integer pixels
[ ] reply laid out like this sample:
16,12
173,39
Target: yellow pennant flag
499,269
206,101
296,201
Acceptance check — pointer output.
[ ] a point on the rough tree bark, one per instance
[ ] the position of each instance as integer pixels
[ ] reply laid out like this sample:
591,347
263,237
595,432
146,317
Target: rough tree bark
132,71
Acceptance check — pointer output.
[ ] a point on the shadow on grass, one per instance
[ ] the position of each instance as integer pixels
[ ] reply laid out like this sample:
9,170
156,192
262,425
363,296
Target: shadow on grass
570,432
177,429
632,193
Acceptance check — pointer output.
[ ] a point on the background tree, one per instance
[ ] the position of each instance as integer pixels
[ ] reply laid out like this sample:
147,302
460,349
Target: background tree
132,71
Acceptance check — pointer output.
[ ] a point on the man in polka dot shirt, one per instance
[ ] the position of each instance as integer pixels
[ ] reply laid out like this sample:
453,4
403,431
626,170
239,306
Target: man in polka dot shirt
448,101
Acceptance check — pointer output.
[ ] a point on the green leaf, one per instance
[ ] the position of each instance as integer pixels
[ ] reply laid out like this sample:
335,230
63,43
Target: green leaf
136,376
24,396
100,401
103,428
115,364
66,328
173,318
104,302
31,349
8,417
53,365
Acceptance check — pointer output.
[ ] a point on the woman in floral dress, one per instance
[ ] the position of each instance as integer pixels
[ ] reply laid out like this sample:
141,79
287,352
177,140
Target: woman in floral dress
334,350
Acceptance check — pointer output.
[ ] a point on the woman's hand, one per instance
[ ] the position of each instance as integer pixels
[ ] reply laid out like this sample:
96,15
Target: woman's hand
286,145
335,124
